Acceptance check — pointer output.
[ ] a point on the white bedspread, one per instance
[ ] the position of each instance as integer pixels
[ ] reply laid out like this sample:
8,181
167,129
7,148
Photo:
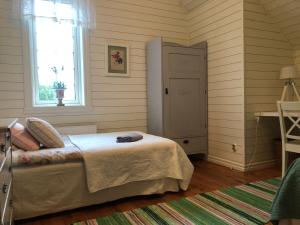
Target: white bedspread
110,164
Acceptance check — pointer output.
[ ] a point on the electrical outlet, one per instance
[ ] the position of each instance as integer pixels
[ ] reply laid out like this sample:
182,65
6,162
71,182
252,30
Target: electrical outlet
234,147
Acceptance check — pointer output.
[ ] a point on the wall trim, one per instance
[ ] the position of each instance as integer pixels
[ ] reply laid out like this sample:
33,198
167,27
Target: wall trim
226,163
260,165
239,166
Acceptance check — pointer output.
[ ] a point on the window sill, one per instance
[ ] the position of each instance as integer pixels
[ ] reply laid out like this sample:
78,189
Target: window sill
61,110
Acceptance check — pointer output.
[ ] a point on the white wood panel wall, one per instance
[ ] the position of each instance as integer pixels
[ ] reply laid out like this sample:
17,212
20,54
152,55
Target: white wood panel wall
266,51
220,23
297,60
286,13
118,103
11,67
191,4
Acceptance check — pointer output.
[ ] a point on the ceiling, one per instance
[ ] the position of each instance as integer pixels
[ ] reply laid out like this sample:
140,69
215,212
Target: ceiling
286,13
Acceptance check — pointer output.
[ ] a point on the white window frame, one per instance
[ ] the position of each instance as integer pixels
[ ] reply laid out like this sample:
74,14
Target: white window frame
30,75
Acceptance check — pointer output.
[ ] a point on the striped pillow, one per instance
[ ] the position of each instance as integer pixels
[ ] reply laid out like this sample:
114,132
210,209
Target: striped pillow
44,132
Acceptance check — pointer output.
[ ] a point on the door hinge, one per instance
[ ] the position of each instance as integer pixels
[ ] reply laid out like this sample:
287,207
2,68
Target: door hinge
166,91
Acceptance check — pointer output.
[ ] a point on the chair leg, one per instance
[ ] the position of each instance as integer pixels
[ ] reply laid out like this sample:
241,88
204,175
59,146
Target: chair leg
284,162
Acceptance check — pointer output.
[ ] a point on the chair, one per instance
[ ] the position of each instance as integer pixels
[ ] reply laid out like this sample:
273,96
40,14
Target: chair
290,135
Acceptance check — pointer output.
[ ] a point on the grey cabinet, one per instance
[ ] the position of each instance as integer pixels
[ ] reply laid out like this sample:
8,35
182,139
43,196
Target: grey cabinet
177,93
6,210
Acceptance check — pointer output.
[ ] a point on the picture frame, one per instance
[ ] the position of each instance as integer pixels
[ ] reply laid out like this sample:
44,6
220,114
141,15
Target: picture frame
117,60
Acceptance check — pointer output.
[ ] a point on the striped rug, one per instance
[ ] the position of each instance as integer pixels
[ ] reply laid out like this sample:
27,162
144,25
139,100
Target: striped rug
244,204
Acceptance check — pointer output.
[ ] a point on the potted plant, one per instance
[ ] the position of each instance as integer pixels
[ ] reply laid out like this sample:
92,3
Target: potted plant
59,88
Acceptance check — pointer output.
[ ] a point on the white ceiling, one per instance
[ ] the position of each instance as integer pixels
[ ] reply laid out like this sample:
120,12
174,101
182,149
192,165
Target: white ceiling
286,13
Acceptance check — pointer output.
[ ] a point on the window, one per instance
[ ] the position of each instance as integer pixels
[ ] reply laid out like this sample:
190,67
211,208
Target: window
56,53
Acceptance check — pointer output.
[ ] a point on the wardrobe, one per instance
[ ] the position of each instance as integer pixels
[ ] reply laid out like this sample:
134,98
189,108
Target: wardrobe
177,93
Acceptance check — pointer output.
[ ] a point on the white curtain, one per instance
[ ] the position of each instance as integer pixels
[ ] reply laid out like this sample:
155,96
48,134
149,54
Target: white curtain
78,12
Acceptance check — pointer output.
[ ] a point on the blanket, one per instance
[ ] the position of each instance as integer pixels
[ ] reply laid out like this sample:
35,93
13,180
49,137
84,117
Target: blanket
69,153
286,204
110,164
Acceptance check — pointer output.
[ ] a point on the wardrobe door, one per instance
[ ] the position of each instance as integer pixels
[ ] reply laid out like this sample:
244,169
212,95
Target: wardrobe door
185,92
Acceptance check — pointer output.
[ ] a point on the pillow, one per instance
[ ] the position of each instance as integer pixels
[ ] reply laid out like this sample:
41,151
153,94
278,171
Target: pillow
44,132
22,138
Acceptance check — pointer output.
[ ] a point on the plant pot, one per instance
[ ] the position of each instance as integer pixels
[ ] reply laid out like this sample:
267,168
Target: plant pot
60,94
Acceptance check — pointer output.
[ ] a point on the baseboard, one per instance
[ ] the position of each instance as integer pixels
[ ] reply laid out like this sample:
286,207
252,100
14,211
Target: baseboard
241,167
227,163
260,165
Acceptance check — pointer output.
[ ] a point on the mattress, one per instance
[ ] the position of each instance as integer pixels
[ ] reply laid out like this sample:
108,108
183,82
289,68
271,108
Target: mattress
40,190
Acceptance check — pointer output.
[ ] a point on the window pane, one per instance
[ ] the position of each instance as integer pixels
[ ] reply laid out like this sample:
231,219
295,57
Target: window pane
55,57
54,9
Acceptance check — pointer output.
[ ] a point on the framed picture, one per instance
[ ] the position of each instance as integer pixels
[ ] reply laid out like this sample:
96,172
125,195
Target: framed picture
117,60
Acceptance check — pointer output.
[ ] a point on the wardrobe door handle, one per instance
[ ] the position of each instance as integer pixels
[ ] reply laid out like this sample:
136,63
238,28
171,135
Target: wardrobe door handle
166,91
186,141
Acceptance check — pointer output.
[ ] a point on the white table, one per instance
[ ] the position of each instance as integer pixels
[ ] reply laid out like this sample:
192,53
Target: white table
273,114
266,114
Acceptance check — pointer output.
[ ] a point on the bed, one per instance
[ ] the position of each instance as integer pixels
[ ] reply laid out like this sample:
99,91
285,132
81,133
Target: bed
94,169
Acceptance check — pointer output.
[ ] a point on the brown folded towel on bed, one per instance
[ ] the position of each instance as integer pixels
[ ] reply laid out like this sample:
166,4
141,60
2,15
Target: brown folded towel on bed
130,137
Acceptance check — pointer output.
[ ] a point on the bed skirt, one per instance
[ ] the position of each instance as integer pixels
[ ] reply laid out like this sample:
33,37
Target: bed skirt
53,188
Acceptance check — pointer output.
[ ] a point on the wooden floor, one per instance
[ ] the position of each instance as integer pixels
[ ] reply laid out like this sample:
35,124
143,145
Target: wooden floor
207,177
